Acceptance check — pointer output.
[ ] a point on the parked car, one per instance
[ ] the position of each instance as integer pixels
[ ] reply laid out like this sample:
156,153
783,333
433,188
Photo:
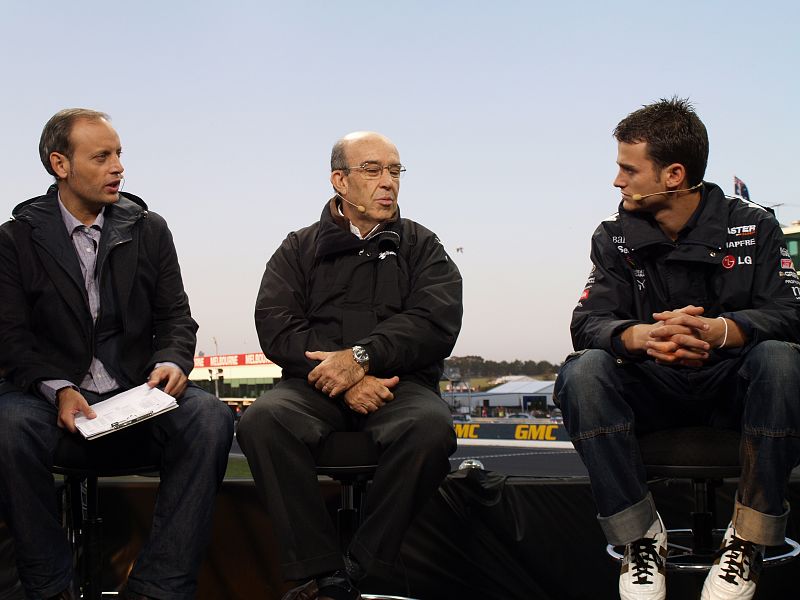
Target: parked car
461,418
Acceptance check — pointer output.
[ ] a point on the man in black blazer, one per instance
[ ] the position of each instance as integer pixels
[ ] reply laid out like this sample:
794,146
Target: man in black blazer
93,304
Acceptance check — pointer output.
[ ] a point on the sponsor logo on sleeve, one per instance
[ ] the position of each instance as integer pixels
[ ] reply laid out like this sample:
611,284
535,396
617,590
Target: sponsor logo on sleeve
786,263
589,283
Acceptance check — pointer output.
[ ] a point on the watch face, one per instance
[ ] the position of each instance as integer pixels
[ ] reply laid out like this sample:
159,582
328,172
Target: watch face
360,354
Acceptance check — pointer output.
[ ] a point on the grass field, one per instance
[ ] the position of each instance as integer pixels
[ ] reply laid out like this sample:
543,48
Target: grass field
237,468
479,383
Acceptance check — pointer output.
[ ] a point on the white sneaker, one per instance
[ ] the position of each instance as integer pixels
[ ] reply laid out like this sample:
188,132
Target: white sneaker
642,574
734,574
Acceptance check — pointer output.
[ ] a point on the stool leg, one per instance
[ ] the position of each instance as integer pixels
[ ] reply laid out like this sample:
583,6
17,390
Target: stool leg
347,515
703,518
93,536
72,514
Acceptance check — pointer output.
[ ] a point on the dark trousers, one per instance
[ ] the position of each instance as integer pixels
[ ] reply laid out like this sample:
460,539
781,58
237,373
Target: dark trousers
280,435
193,441
607,405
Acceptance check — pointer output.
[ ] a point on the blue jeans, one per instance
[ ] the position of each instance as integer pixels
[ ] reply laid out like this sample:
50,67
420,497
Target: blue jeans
193,441
606,405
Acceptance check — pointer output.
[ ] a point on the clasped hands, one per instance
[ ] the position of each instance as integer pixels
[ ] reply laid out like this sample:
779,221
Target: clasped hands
680,336
337,373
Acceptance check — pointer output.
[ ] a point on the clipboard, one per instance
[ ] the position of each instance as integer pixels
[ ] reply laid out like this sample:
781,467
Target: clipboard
125,409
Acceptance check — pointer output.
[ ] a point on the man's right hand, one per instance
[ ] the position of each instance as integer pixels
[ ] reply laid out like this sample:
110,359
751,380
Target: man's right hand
70,402
369,394
336,372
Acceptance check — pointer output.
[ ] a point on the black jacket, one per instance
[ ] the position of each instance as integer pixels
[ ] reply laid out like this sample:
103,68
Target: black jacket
397,293
46,329
731,260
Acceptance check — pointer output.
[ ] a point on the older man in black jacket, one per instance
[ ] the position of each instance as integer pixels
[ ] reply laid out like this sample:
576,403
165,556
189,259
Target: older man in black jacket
93,304
360,309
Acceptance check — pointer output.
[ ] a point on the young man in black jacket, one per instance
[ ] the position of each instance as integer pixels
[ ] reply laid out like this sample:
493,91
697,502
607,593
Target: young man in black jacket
690,315
92,305
360,309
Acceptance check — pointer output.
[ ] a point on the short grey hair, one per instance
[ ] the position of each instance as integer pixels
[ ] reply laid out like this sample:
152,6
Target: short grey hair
338,157
56,133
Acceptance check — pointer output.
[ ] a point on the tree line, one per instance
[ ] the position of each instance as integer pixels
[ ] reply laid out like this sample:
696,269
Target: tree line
467,367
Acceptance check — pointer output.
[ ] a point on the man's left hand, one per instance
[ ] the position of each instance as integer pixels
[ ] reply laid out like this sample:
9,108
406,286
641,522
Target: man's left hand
369,394
175,379
336,373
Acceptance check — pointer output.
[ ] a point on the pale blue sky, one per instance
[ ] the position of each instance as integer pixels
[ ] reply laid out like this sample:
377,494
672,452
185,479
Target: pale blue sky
502,112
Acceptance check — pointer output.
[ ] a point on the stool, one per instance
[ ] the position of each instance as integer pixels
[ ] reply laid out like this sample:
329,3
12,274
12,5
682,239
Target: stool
706,456
82,462
349,457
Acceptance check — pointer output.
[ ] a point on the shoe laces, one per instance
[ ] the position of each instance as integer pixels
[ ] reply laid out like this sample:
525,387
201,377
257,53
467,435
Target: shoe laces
644,560
740,560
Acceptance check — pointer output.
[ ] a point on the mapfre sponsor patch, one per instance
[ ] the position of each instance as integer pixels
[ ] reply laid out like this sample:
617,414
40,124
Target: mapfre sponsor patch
786,263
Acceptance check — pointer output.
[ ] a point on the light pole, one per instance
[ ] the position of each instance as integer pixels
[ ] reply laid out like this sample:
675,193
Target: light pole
453,374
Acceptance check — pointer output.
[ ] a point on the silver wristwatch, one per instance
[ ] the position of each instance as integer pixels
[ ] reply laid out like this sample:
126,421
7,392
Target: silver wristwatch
361,356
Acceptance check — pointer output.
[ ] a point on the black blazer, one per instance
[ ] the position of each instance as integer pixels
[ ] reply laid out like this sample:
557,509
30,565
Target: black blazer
46,329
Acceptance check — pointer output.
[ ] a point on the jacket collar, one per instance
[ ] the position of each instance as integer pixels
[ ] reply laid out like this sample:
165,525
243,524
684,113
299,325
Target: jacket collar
42,211
710,227
334,235
43,215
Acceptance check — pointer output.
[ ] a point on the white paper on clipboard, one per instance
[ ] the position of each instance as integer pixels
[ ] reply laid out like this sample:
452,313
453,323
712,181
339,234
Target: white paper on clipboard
123,410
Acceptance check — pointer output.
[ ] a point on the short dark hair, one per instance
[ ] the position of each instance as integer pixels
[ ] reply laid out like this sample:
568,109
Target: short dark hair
56,133
673,133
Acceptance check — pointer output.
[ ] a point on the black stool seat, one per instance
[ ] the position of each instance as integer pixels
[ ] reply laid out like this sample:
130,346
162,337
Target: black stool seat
706,456
117,454
347,454
691,452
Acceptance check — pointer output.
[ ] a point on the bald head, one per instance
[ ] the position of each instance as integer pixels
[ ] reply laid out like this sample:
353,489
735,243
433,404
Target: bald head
342,148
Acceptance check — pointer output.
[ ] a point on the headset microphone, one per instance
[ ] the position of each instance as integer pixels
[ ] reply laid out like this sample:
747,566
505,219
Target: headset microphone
637,197
358,207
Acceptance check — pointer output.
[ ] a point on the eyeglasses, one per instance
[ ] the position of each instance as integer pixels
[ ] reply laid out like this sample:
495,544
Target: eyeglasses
370,170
